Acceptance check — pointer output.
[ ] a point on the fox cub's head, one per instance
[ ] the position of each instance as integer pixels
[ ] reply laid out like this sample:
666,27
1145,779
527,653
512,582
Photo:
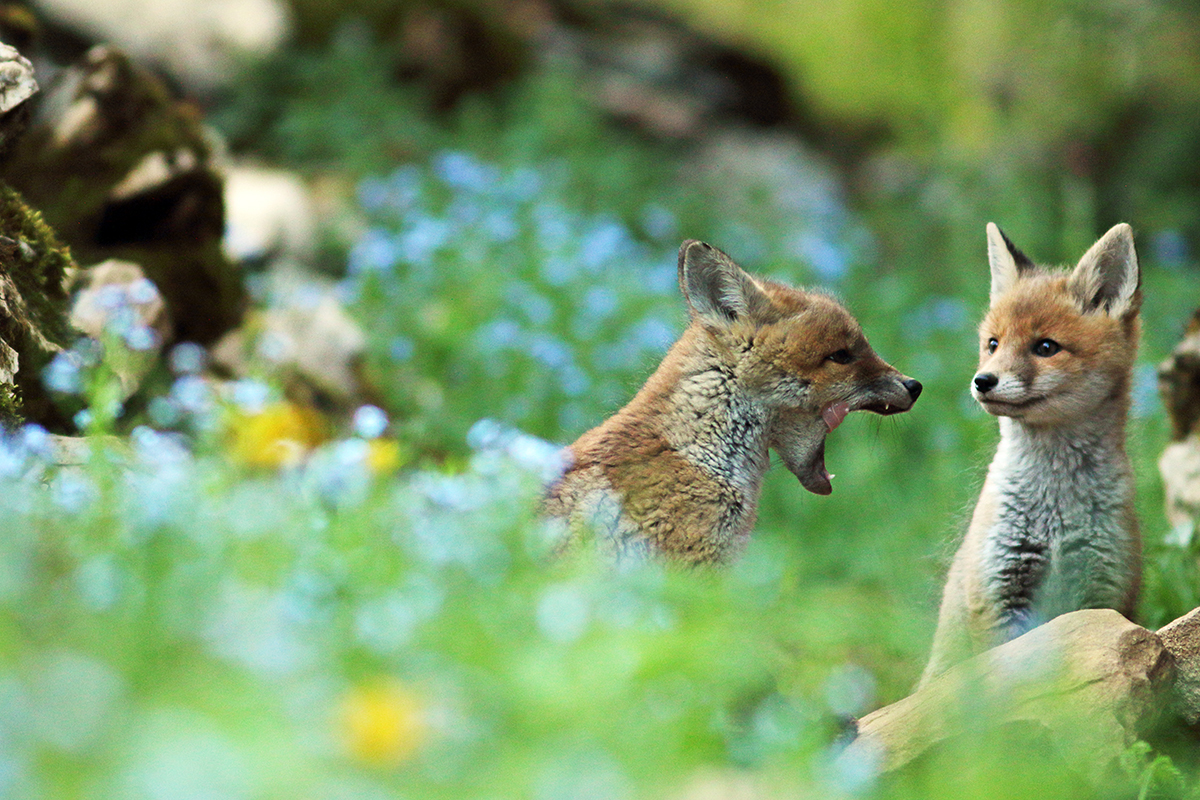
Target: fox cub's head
796,357
1056,344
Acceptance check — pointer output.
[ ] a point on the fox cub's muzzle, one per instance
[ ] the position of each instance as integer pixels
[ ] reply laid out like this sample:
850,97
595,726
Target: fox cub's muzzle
893,395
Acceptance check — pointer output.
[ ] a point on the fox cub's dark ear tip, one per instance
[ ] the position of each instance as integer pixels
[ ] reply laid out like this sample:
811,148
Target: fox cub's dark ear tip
1019,258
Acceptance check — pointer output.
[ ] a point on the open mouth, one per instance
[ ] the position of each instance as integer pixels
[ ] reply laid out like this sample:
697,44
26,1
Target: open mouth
809,468
813,475
803,451
800,440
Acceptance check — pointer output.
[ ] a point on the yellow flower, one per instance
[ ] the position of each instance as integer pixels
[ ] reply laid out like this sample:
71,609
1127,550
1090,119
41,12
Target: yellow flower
384,456
282,434
383,724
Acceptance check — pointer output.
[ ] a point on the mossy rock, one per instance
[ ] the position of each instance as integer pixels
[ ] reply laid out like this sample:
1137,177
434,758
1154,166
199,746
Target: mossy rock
33,301
123,169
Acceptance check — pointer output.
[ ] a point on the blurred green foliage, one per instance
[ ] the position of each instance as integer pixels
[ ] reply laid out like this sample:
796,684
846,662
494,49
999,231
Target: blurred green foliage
1105,92
178,626
975,76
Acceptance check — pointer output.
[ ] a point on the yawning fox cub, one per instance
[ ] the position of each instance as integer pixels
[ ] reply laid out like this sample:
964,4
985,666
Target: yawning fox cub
1054,530
677,471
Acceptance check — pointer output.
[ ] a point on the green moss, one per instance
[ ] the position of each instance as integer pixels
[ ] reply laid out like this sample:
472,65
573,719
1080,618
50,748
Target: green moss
42,263
10,404
33,265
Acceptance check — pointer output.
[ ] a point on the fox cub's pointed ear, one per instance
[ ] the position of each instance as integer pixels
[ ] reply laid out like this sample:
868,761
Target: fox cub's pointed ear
716,289
1006,261
1108,277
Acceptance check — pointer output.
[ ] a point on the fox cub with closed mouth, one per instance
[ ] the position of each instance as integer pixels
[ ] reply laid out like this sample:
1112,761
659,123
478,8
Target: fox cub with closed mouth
677,471
1054,530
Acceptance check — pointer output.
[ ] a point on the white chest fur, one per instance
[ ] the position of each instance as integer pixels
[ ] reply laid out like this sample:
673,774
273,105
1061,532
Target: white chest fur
1062,529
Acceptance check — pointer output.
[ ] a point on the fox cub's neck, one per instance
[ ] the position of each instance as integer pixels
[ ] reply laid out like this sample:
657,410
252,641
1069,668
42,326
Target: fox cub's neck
1067,452
1051,480
677,471
708,420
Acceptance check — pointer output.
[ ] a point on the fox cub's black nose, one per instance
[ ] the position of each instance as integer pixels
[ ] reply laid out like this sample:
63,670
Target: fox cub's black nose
985,382
914,388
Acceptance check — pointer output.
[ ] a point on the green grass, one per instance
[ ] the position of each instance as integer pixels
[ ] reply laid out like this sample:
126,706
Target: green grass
175,625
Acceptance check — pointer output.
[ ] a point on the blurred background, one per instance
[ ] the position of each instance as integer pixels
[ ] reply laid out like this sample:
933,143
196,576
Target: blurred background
438,238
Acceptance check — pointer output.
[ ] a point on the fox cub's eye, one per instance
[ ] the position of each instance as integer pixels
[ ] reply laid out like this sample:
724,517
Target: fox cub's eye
1046,348
993,344
842,356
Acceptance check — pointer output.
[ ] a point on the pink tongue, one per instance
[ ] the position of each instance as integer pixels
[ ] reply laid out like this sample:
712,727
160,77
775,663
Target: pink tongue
834,414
